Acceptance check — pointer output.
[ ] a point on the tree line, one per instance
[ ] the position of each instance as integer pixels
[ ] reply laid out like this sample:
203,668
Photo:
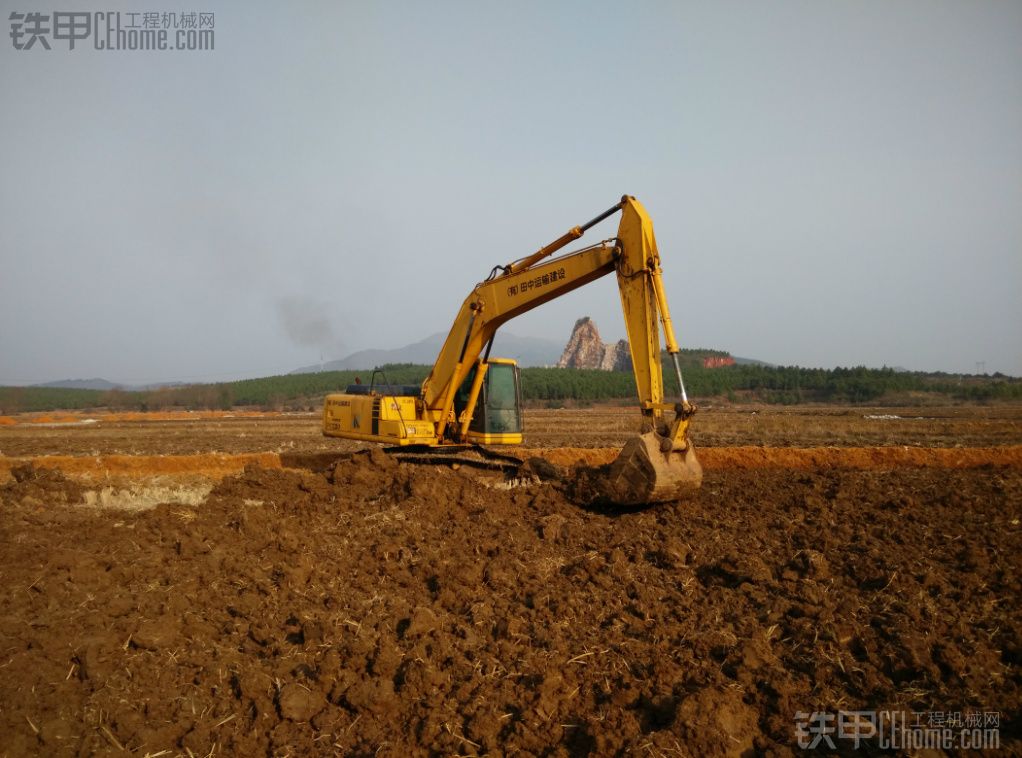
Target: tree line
761,383
772,384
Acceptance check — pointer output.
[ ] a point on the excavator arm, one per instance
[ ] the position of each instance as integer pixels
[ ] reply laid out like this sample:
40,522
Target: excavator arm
452,410
496,301
657,465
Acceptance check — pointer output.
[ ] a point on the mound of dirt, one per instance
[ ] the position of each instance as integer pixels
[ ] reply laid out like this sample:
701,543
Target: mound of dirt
383,608
39,487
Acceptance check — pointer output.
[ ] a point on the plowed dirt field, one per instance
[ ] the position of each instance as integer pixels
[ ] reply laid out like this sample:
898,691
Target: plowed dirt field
375,608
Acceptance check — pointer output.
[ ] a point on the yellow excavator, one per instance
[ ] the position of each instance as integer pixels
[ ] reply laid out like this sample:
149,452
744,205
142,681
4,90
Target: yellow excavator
471,399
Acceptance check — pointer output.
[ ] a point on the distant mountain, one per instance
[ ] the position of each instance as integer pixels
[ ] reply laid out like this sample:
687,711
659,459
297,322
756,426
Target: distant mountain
104,385
155,386
528,351
82,384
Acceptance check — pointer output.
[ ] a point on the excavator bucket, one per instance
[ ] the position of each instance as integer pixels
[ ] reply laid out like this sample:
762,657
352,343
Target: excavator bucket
642,473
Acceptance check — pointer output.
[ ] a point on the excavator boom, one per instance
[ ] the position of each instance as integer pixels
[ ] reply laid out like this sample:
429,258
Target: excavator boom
657,465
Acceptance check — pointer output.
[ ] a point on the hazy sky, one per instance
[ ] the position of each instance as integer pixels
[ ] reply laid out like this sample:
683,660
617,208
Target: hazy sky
832,183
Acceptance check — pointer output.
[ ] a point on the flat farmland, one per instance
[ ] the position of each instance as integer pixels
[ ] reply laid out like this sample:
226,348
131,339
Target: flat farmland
601,426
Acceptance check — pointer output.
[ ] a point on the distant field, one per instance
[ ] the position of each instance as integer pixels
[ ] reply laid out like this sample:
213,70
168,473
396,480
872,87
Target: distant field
598,426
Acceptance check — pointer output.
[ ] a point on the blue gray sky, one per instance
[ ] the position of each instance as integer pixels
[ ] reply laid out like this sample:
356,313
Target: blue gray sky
831,183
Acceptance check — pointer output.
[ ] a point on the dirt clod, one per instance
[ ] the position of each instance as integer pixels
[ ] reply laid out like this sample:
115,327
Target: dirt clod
34,487
298,703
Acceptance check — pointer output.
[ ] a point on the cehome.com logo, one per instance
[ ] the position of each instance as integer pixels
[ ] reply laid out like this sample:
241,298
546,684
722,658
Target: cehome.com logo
112,30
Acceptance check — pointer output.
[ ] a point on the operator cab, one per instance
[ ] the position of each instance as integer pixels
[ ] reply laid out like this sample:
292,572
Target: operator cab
497,418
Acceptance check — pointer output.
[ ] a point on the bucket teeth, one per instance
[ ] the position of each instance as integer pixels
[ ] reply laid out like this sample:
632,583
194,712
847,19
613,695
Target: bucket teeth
642,473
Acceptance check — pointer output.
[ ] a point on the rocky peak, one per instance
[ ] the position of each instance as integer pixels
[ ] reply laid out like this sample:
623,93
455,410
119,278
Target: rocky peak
616,357
585,349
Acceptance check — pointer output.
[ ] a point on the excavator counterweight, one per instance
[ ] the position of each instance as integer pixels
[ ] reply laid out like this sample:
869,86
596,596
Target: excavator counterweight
469,398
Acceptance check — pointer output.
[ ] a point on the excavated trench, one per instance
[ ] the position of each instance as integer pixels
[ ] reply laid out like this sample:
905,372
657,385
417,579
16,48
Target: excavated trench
111,472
